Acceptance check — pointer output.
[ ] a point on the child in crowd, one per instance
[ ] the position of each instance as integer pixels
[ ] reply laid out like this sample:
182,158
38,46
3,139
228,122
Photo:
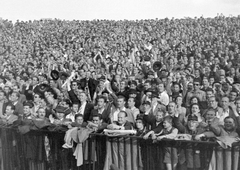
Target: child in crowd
170,153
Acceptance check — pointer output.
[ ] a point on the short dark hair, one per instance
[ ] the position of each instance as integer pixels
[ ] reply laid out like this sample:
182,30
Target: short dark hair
11,105
102,97
97,115
134,99
168,119
78,115
17,94
122,97
122,111
229,117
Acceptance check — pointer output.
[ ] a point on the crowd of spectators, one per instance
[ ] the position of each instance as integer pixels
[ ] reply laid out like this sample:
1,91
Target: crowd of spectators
162,77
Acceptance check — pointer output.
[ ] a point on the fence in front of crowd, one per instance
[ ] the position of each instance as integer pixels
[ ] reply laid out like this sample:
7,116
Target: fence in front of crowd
42,150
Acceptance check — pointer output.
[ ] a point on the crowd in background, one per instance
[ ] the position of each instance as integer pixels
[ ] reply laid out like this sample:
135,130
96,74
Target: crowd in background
162,77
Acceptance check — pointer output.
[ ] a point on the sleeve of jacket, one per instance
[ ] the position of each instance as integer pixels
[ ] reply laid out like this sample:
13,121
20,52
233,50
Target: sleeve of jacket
73,97
88,112
177,124
215,127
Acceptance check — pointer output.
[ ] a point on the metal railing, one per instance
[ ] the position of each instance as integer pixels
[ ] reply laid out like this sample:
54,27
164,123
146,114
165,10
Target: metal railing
32,151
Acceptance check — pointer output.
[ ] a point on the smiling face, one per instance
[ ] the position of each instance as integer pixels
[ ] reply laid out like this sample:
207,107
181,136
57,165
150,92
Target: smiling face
121,118
139,124
229,124
166,124
192,125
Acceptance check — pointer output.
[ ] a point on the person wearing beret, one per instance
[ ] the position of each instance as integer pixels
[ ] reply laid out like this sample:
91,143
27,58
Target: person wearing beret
27,110
60,114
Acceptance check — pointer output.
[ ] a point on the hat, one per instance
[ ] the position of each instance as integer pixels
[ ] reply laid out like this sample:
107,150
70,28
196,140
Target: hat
43,75
105,91
133,82
155,94
61,109
216,82
151,73
28,103
54,74
192,117
30,64
155,81
234,90
63,75
149,90
132,91
147,58
236,81
102,78
41,88
147,103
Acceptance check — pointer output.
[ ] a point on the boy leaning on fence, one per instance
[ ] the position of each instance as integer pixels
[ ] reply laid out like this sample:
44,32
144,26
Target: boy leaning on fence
169,132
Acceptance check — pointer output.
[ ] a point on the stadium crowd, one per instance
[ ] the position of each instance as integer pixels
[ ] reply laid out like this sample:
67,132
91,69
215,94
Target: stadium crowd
162,77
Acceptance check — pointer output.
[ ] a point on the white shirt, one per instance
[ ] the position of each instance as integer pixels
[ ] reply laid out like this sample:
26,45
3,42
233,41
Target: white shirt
147,112
135,111
101,110
71,116
154,106
82,108
223,116
115,114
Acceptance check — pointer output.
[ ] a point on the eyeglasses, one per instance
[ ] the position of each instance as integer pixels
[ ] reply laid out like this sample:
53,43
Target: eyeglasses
196,84
74,84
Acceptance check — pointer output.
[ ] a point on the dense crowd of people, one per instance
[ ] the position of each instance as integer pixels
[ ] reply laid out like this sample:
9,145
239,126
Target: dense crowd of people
162,77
